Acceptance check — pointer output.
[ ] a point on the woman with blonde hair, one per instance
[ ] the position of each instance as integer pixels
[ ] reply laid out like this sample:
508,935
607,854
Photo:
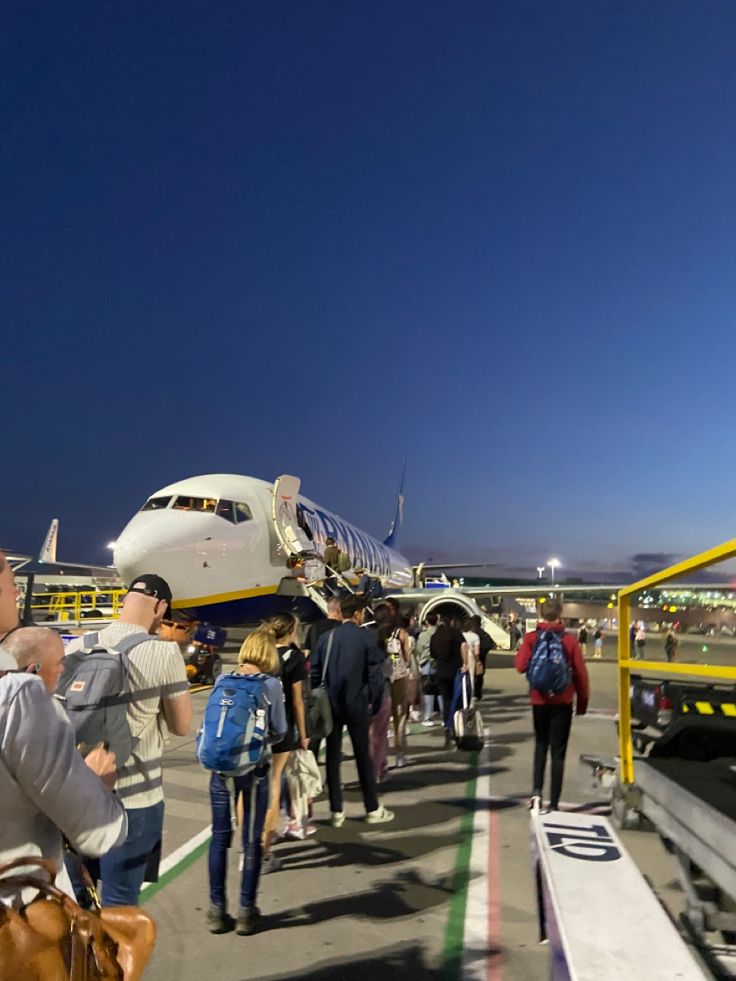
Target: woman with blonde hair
258,658
292,669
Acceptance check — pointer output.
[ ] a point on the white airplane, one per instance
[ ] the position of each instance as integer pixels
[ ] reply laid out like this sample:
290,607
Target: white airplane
222,542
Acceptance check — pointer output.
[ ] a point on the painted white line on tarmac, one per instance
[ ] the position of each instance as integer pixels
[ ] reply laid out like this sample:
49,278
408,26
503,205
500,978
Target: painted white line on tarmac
184,851
476,939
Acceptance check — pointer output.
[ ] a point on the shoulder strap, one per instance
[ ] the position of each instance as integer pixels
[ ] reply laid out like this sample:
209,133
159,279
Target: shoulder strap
327,657
127,644
123,646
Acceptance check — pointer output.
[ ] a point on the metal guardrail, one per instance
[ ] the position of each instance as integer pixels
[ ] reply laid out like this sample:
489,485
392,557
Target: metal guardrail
76,606
625,664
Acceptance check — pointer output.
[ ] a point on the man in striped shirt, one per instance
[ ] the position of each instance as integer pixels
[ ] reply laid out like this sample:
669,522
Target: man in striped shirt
159,697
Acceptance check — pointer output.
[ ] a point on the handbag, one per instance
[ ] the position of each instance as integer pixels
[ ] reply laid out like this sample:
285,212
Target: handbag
395,650
319,707
468,722
54,939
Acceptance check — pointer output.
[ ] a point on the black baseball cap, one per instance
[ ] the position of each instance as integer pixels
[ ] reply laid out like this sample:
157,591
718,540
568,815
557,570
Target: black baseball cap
152,585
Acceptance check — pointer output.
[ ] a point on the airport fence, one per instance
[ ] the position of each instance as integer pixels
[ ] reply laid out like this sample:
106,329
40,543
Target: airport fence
75,606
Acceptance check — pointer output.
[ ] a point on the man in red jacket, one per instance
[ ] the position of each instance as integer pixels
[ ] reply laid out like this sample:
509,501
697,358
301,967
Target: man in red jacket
553,713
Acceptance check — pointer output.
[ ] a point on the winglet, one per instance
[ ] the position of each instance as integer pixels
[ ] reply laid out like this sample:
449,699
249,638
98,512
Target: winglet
48,549
398,518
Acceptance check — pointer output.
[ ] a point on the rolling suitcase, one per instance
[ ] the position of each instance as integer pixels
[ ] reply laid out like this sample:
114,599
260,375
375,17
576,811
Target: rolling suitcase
468,722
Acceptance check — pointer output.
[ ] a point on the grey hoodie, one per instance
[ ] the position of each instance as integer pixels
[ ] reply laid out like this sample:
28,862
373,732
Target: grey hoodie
46,788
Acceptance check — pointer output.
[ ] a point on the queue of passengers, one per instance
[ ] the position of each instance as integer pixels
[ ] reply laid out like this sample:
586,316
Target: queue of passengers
59,768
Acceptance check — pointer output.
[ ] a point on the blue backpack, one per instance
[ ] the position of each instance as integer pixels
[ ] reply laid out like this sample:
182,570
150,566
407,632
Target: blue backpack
549,671
234,731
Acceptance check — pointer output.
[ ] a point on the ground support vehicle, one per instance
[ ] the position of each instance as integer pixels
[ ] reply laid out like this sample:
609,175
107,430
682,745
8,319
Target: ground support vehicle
685,785
682,783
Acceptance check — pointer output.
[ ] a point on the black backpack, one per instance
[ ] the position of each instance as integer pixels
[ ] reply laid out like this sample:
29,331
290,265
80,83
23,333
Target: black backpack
440,644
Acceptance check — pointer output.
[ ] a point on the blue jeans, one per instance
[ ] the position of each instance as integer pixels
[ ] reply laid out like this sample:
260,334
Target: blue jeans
255,788
123,869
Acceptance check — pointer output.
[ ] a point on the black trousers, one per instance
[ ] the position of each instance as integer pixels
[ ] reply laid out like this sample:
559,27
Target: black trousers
552,731
357,725
447,689
480,678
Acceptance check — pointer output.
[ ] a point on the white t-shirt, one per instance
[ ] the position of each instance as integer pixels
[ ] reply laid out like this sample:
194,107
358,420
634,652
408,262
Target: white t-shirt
473,641
157,671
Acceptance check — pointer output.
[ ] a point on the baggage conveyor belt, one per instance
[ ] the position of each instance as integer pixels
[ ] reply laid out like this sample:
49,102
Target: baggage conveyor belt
693,804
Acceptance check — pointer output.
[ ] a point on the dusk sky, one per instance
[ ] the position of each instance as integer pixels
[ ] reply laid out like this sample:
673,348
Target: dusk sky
495,238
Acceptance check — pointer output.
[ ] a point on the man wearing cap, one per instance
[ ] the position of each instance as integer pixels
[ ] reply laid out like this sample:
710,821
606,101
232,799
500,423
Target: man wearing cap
160,696
352,665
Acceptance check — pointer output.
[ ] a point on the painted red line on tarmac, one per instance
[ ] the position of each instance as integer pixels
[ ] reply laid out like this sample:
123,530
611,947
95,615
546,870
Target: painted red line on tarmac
494,963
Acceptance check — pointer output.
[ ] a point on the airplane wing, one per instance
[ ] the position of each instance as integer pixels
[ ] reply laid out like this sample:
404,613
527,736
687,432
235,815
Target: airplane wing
16,561
458,565
47,562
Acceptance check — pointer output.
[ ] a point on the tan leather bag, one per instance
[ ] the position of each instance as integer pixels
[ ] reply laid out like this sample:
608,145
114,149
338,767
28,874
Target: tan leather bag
54,939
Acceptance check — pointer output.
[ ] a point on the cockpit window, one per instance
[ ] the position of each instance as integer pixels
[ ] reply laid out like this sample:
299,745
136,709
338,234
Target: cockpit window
242,512
225,510
234,511
185,503
156,503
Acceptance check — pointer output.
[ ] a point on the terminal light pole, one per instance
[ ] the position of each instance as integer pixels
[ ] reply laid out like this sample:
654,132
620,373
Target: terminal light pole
553,564
540,571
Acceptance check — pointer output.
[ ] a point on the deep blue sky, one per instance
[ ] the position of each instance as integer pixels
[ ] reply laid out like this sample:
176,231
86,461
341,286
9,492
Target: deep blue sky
315,237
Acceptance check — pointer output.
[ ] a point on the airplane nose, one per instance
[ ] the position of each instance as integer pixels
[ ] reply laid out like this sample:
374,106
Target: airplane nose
141,550
129,556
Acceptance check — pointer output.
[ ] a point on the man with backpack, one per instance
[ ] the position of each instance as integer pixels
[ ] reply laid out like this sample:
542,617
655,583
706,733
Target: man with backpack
449,652
369,587
556,672
121,687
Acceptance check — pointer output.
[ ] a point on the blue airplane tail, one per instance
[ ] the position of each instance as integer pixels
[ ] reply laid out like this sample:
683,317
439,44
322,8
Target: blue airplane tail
391,539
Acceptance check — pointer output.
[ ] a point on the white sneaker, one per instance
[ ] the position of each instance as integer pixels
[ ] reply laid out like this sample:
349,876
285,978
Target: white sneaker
338,819
428,722
400,761
381,815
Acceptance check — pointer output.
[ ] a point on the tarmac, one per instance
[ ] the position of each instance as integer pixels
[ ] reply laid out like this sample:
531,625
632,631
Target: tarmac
442,893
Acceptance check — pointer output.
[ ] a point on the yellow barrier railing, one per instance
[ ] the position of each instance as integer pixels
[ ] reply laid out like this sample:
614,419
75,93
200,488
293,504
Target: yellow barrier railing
70,606
625,664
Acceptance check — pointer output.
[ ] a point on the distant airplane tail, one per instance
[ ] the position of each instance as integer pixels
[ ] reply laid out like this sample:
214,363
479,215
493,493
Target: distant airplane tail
48,549
397,521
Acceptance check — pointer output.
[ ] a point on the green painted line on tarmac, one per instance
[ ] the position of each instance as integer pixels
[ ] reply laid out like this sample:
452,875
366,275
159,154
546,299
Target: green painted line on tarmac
149,891
452,951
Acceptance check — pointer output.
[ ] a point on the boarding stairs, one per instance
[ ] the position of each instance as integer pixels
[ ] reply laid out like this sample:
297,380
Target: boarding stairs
317,595
296,544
